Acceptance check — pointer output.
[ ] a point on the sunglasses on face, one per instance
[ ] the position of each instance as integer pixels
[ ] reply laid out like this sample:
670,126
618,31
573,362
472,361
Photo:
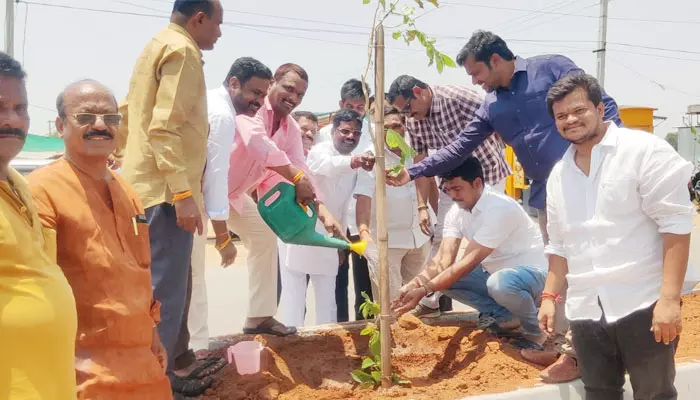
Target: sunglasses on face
91,119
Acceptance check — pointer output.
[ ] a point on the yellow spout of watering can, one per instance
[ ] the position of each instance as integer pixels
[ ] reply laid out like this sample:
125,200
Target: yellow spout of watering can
295,223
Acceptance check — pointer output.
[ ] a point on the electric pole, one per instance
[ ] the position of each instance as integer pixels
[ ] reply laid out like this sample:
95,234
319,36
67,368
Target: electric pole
602,40
10,27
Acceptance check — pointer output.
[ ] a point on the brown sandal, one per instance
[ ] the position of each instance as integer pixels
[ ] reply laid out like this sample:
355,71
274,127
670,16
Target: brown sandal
271,327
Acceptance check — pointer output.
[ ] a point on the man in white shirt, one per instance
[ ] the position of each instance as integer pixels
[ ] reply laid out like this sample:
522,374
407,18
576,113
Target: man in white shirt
503,269
619,223
243,92
409,247
335,171
352,97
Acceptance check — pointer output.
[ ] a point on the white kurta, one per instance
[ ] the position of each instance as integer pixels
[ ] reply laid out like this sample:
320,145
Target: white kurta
336,180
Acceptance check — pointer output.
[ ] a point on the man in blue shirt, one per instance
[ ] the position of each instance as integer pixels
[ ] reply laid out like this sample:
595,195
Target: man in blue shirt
516,108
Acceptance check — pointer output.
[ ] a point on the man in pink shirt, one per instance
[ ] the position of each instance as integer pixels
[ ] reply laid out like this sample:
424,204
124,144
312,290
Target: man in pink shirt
267,150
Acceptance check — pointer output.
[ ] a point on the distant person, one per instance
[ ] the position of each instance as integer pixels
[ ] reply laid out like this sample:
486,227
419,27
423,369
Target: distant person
242,93
352,97
436,115
267,150
102,246
619,222
335,170
38,324
409,246
308,124
515,107
165,131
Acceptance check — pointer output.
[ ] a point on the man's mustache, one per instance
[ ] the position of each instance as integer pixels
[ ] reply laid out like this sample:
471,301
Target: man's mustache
94,132
12,131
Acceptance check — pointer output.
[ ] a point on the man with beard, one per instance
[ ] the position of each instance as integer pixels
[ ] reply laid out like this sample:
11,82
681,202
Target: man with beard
242,92
515,107
165,131
102,247
619,224
335,170
267,149
38,324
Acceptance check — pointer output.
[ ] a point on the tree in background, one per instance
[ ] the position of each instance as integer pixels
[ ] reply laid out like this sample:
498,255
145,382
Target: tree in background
672,139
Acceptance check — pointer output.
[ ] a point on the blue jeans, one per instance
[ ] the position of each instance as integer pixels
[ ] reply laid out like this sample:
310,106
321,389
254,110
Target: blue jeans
508,293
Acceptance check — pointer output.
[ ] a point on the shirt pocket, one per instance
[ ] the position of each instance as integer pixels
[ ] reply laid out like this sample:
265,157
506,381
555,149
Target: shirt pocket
618,196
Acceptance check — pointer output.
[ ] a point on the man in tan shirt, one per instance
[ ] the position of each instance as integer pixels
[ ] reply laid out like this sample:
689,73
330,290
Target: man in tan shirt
165,117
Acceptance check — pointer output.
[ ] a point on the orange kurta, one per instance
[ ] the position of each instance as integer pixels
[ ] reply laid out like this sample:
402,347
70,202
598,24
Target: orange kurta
106,258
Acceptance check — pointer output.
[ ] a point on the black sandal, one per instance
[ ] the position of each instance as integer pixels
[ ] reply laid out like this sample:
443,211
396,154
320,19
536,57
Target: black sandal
209,366
190,387
271,327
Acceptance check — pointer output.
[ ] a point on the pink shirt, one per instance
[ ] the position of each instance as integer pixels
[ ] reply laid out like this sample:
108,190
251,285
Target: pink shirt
255,150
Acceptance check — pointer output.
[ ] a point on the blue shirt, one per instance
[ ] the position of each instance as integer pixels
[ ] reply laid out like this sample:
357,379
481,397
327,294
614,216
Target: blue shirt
519,114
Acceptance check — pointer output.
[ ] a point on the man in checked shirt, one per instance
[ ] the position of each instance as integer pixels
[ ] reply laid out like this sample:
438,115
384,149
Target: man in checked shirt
436,116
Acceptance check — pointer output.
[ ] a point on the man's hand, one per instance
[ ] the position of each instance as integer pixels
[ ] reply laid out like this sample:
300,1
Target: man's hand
667,322
546,316
228,254
329,222
367,161
408,301
158,350
188,216
399,180
426,225
305,192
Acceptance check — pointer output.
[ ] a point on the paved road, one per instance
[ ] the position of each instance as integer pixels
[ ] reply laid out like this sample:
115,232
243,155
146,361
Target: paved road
228,289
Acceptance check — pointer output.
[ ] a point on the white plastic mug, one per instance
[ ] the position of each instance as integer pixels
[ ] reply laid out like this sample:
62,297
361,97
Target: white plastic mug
246,356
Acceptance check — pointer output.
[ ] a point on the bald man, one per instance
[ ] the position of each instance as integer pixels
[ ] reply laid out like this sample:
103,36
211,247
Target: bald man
102,246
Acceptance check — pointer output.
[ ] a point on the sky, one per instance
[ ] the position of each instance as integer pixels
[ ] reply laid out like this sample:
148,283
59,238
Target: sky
653,56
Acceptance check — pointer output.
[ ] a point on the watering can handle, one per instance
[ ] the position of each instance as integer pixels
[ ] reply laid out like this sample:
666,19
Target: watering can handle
304,207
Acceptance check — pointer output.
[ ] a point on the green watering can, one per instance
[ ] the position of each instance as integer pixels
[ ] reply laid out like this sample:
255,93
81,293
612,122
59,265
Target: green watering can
295,223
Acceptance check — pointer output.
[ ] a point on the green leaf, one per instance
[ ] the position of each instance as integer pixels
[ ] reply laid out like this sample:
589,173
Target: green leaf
366,1
378,360
375,345
422,38
383,3
377,377
439,64
361,377
367,363
434,2
447,60
420,3
396,35
411,35
430,51
693,130
369,330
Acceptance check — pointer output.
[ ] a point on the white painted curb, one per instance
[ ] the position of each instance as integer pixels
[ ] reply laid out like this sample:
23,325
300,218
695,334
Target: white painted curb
687,383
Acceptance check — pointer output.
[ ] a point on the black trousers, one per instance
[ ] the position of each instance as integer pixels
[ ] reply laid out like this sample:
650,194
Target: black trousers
360,275
605,351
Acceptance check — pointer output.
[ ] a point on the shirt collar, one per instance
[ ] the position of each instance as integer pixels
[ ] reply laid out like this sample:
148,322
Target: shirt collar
177,28
267,109
437,104
478,207
520,65
608,141
223,92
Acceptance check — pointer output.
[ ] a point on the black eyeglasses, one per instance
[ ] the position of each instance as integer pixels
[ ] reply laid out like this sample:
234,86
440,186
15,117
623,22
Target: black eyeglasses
90,119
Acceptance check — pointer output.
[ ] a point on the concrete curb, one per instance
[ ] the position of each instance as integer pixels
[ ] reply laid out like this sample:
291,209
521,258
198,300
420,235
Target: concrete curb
687,384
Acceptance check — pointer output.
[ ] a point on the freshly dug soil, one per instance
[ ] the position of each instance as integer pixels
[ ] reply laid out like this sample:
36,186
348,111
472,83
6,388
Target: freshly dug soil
442,363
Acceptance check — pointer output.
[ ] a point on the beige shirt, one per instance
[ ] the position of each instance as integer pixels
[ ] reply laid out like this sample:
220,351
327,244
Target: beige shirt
165,119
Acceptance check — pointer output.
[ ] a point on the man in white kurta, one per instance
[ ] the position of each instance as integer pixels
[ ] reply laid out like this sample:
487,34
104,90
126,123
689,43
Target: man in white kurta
335,171
409,247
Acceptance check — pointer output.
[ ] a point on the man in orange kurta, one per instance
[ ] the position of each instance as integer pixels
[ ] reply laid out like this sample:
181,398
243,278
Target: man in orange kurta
102,246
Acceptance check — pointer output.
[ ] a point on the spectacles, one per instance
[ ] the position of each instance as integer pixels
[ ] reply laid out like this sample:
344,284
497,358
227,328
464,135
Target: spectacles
91,119
348,132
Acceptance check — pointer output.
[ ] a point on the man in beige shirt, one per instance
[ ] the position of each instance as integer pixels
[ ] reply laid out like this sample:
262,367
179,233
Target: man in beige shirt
165,119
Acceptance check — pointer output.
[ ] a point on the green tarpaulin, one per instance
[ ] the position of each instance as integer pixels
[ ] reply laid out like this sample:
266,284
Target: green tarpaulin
36,143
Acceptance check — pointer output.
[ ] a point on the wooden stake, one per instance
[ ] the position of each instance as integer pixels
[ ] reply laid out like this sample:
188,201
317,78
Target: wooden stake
382,233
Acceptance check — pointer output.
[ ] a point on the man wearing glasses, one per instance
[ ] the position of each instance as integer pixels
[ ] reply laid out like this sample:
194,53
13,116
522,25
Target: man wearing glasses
436,115
98,230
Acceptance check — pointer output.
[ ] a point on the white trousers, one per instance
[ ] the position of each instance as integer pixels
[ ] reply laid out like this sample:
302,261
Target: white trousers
444,205
404,265
261,244
293,299
197,318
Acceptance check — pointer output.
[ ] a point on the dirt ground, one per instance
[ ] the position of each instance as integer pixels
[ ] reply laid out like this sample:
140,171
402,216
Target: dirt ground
442,363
